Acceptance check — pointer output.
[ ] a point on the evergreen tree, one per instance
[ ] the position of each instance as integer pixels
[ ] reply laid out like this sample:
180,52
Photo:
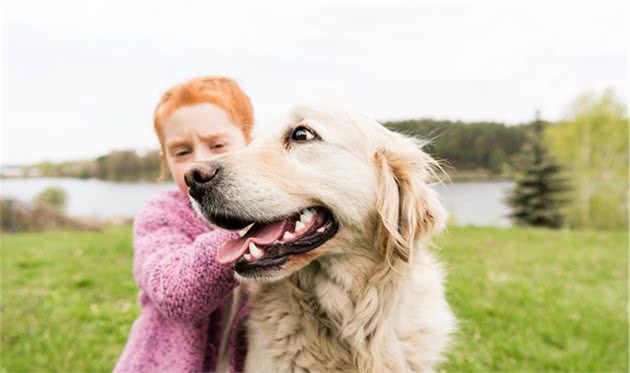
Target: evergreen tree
540,189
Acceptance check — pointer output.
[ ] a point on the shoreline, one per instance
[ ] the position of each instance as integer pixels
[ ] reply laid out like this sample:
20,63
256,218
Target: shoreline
458,176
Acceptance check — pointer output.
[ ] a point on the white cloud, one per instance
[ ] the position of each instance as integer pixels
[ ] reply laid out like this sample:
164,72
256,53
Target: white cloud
82,78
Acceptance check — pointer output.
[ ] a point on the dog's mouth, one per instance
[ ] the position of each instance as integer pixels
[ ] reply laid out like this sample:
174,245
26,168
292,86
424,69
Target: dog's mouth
269,245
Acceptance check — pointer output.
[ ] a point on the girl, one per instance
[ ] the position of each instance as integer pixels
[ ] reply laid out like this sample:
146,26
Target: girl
191,306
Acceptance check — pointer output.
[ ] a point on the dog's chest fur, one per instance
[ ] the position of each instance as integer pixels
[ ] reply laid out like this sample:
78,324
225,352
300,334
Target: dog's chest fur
289,331
327,321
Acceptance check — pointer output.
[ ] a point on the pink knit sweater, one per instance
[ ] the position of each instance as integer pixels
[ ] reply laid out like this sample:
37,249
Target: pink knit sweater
183,293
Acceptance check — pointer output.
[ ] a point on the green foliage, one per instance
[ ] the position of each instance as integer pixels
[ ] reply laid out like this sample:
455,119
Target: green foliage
128,165
527,300
468,146
54,197
19,216
540,190
117,165
593,144
478,150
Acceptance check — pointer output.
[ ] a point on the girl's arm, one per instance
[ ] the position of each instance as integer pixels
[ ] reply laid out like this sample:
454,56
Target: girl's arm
178,273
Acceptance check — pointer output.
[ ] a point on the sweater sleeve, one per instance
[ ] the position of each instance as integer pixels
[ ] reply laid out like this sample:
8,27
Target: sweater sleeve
178,270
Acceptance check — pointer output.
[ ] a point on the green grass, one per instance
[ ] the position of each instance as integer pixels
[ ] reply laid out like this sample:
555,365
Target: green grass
538,300
68,300
527,300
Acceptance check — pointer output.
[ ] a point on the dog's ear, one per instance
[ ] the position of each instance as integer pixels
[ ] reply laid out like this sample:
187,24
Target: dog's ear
409,209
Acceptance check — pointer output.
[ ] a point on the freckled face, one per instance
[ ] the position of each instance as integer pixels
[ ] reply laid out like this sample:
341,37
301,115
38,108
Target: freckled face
197,133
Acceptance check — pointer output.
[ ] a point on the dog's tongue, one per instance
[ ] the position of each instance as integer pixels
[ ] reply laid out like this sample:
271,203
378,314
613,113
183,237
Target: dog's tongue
259,234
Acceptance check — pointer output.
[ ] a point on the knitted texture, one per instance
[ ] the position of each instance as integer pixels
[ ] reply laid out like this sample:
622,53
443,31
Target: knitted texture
183,293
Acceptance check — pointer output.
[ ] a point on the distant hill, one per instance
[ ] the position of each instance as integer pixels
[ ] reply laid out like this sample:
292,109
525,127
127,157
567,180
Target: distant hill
482,148
125,165
470,150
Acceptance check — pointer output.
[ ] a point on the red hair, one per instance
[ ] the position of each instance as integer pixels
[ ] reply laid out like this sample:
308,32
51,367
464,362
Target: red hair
217,90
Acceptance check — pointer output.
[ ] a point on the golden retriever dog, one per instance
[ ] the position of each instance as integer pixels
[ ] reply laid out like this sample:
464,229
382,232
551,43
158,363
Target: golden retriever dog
336,259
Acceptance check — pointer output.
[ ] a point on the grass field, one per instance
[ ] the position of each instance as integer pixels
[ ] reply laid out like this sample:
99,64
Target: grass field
527,300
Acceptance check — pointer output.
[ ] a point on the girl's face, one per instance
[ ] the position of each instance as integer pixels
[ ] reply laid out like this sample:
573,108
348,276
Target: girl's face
197,133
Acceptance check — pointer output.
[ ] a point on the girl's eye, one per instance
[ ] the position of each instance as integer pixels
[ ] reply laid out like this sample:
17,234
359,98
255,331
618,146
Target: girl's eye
302,133
217,146
181,153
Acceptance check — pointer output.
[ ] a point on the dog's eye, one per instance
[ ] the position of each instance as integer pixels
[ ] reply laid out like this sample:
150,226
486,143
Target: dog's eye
302,133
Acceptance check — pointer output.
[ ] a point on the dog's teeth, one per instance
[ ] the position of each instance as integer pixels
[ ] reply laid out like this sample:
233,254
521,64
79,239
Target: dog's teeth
262,253
299,226
248,257
307,216
320,230
288,236
255,251
244,231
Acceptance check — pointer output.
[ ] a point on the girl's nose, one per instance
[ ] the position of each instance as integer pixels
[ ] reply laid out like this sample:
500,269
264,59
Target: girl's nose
203,153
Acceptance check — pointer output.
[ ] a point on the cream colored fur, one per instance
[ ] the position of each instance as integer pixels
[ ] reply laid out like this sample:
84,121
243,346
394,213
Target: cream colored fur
369,300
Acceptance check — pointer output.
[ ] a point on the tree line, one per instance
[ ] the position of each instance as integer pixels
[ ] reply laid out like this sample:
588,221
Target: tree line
461,146
488,146
124,165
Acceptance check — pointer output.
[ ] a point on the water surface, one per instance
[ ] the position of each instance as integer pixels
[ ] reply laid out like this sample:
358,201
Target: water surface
469,203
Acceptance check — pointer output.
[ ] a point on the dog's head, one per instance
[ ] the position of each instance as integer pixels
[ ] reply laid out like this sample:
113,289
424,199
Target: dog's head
325,183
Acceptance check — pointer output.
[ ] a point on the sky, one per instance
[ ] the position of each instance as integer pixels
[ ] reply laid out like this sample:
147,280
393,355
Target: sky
80,79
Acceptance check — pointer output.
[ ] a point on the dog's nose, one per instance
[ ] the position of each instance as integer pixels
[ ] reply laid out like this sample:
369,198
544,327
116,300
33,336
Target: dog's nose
201,174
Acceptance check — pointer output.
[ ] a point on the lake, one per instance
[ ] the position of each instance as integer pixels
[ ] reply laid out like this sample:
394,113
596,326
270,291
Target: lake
469,203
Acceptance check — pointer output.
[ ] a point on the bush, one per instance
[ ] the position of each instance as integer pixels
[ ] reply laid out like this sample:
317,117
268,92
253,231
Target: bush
54,197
